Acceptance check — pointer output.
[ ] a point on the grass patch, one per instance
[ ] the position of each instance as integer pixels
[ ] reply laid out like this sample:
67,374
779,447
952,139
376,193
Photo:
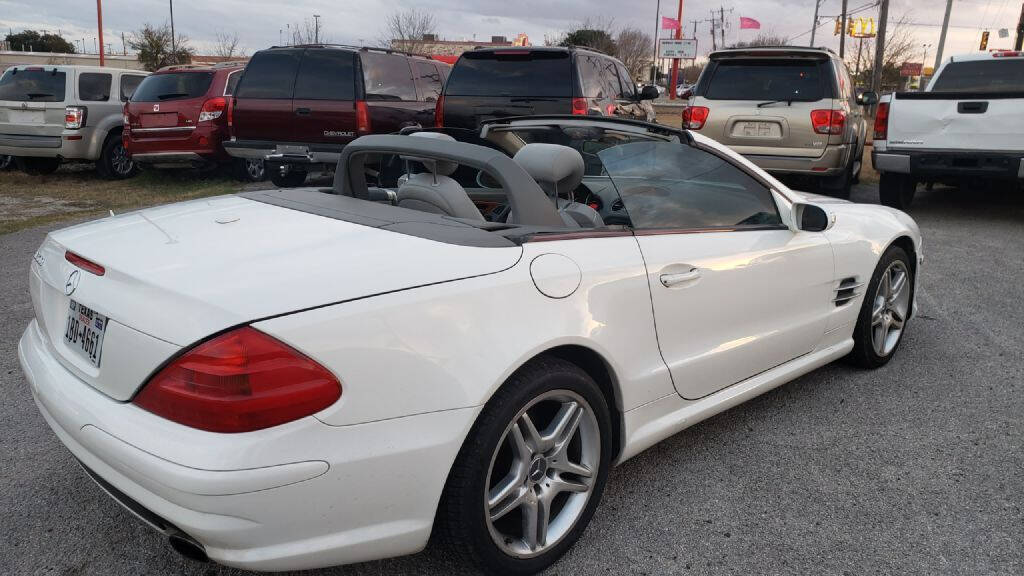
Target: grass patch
76,192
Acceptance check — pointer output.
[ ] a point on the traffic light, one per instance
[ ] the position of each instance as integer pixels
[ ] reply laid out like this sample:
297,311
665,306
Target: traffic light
839,27
984,40
850,27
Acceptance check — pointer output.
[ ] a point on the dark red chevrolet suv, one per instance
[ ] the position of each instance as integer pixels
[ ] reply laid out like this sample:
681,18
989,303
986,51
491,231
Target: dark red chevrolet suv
297,106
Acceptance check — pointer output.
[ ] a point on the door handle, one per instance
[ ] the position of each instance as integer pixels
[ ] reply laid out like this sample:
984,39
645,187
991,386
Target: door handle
302,111
670,280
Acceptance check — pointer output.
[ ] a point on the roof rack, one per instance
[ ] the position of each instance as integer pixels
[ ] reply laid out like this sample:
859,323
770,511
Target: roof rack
355,47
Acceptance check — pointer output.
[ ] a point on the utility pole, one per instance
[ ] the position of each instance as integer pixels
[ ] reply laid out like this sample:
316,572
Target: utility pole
99,26
1019,43
714,41
814,30
920,82
174,50
316,28
657,30
675,61
876,73
842,33
124,47
721,23
942,35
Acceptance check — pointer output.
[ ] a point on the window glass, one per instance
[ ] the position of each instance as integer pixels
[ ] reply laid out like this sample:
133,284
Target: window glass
32,85
628,86
995,75
587,142
590,75
93,87
326,75
129,83
766,80
270,75
387,77
514,73
673,185
174,86
232,83
428,80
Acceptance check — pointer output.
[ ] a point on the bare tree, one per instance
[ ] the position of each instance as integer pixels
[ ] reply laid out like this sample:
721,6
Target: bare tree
226,46
634,48
305,33
405,30
769,38
900,46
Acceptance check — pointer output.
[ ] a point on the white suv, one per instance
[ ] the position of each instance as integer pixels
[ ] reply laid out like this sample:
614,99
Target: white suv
50,114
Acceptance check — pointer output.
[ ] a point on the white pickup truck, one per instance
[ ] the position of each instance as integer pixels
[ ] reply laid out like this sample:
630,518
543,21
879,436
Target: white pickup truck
967,126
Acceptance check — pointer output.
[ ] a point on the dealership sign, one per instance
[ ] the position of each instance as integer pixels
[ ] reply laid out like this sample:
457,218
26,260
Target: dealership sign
911,69
685,48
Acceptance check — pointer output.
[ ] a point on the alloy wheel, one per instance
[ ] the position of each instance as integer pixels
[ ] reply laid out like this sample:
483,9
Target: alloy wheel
120,161
254,169
890,309
542,473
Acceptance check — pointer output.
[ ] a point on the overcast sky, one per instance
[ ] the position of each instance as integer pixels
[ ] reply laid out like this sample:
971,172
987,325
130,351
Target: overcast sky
261,23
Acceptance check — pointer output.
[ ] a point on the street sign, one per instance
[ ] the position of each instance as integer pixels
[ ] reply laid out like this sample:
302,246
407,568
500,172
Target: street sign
685,48
911,69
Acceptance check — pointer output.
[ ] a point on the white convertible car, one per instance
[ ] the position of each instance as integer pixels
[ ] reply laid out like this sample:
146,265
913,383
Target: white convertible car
460,338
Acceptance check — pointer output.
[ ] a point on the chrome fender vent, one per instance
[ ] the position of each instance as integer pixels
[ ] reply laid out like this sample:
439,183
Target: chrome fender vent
849,288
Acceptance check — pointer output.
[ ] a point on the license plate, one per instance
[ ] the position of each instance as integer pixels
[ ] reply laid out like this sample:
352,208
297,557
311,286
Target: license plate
84,332
26,116
758,129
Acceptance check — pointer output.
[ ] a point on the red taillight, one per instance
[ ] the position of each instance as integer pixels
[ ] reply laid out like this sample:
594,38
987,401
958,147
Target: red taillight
828,121
1007,54
87,265
579,106
882,121
212,109
240,381
74,117
694,117
231,112
362,118
439,112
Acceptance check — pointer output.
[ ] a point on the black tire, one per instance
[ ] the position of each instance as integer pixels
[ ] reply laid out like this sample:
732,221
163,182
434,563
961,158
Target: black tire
461,524
293,178
114,162
864,353
839,186
6,162
247,170
896,190
37,166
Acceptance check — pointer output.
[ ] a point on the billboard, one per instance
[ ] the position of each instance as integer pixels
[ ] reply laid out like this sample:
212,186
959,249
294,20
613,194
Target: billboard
685,48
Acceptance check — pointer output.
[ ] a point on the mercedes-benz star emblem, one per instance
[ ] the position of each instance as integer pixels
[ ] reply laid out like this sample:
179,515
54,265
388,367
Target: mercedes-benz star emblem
72,283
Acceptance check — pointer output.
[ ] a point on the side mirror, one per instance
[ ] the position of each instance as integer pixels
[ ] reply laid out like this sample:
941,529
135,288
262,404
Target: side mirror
867,98
649,92
811,218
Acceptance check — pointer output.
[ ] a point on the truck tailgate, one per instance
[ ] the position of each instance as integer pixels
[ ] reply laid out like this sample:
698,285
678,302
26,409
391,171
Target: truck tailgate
956,121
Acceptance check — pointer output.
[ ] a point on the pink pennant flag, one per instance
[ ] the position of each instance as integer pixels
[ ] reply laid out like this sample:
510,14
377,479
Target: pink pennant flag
669,23
747,23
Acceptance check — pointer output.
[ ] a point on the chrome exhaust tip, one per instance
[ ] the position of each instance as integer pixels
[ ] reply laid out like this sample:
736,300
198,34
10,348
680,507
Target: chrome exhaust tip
187,546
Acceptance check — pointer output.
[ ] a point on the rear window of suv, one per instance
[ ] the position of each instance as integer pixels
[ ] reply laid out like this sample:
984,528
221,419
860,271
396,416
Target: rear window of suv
768,80
174,86
982,76
517,73
32,85
270,75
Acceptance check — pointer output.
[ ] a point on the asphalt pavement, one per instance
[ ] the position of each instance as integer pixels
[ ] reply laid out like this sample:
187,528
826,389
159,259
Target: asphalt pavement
916,468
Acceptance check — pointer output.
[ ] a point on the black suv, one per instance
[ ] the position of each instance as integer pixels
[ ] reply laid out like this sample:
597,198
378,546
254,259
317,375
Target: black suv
503,82
297,106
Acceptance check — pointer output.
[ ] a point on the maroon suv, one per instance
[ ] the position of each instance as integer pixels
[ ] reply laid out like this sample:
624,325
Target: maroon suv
178,117
297,106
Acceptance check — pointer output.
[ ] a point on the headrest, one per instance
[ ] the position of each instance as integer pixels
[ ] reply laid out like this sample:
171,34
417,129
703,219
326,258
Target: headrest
439,167
556,168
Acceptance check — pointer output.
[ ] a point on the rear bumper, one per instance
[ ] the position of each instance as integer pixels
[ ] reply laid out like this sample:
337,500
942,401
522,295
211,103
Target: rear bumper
174,146
296,496
831,162
161,159
938,164
276,154
72,145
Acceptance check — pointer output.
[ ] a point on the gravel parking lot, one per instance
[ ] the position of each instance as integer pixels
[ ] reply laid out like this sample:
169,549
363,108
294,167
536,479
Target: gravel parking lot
917,468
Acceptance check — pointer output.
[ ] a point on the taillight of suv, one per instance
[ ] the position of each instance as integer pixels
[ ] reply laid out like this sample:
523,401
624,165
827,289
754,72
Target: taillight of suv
579,106
882,121
363,126
439,112
694,117
212,109
240,381
828,121
74,117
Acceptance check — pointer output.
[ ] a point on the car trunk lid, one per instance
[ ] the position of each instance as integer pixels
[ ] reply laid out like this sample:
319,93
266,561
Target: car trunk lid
177,274
168,105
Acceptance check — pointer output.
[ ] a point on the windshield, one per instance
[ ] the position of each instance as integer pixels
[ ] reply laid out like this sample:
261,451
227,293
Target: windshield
996,75
516,73
767,80
32,85
176,86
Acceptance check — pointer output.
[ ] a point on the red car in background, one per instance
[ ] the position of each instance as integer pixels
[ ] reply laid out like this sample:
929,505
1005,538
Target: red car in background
178,117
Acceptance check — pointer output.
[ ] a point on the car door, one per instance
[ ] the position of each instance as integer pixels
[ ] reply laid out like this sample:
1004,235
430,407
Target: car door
734,291
391,93
324,106
262,109
629,104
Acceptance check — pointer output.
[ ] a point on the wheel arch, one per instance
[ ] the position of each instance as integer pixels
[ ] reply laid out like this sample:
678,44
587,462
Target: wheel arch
907,244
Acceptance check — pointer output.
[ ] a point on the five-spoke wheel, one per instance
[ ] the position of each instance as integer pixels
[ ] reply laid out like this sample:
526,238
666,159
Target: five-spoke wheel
885,311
